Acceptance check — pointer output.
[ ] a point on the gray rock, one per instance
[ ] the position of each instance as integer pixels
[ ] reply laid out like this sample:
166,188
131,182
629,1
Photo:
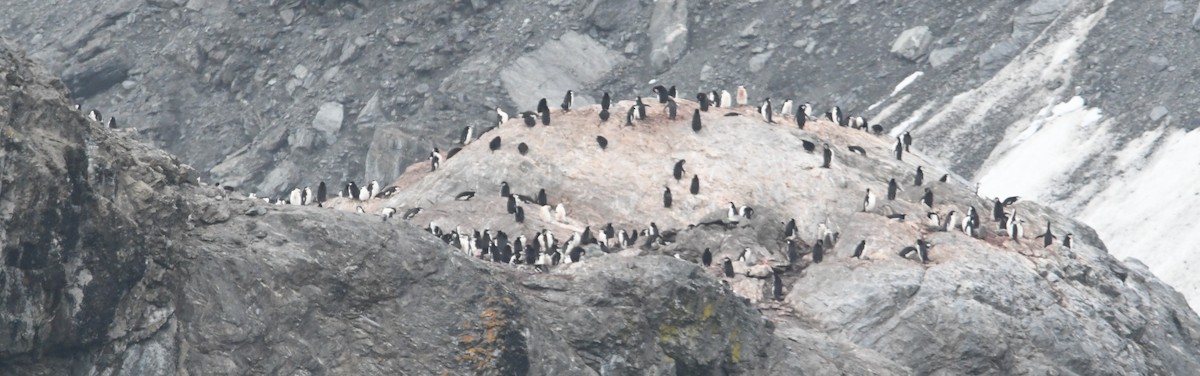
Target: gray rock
97,74
997,56
912,44
1172,7
943,56
371,113
328,120
557,66
1157,113
610,15
668,33
758,61
751,29
1158,62
1196,19
207,289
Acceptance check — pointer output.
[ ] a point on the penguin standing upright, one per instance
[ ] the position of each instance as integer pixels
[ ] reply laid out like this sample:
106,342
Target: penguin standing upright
997,210
892,188
504,190
542,106
920,178
321,194
778,288
523,148
467,135
603,142
501,117
677,171
546,118
827,156
541,197
568,101
786,108
529,118
818,251
800,118
804,110
641,108
765,111
703,100
858,250
695,187
715,98
672,108
630,116
907,140
706,258
869,201
927,199
1067,240
742,98
727,267
604,115
726,99
667,197
696,121
519,215
605,101
899,149
1047,237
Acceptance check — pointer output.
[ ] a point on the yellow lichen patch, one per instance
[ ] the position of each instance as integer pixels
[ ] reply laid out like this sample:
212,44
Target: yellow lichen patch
707,311
667,333
735,348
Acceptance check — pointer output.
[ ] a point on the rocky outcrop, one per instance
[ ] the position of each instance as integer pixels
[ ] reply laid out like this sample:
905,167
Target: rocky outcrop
668,33
568,63
217,83
913,44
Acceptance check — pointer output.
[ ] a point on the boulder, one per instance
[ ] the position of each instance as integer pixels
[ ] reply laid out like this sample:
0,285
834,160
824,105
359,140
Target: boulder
668,33
912,44
328,120
567,63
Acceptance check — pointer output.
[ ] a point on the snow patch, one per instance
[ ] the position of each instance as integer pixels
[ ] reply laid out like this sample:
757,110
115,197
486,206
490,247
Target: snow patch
906,81
1044,155
1145,213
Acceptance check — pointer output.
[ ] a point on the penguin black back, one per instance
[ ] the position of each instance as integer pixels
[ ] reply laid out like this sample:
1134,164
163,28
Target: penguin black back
703,100
920,178
827,157
605,101
541,197
522,148
696,121
667,197
695,187
542,106
603,142
495,144
778,289
677,172
321,193
706,258
809,146
858,251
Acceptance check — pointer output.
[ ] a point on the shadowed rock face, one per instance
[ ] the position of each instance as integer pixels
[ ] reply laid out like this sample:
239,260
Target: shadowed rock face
117,263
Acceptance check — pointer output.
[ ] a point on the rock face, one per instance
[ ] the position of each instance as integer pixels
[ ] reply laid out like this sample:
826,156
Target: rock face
569,63
668,33
912,44
115,261
219,83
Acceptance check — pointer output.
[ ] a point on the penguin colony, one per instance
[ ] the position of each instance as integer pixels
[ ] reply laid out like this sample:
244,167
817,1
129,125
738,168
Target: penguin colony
543,249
